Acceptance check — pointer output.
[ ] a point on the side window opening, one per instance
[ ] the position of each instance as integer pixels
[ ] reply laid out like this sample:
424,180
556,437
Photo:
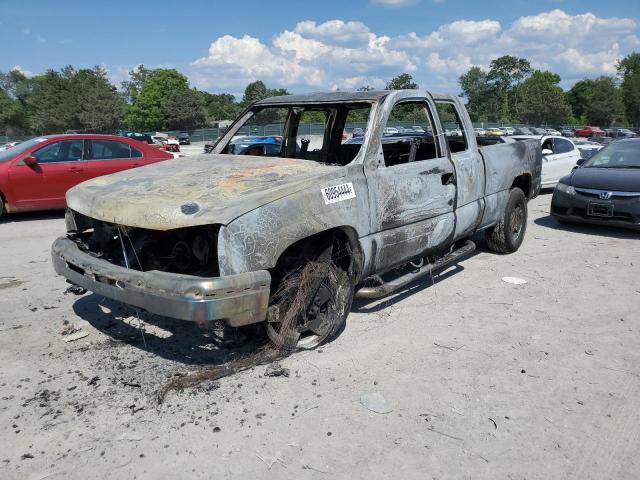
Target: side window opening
561,146
454,131
109,150
408,134
64,151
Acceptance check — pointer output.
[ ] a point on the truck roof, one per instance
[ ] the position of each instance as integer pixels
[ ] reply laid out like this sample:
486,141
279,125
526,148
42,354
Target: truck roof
339,97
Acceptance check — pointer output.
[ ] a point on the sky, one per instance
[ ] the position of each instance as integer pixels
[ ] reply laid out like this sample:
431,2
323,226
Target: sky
318,45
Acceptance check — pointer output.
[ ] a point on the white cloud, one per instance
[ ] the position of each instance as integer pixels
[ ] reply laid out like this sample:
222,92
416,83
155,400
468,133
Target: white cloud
347,54
24,71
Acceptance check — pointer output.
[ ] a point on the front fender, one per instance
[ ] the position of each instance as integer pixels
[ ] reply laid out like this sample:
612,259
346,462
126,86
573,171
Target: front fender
255,240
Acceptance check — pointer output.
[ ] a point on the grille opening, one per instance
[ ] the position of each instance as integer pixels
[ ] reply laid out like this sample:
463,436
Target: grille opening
187,251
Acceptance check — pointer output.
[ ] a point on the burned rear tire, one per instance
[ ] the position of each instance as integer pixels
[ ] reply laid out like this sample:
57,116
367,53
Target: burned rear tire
310,303
507,235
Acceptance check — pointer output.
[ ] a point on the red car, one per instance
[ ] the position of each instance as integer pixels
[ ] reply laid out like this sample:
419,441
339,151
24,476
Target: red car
590,132
36,174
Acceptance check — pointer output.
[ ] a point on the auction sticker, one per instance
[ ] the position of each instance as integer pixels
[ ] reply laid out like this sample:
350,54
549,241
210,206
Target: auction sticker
338,193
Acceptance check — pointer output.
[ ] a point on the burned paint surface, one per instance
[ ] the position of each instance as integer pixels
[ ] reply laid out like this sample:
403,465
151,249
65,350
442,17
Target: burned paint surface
216,188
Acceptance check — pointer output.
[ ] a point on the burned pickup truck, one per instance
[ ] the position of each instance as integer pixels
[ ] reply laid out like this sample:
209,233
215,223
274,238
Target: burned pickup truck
288,236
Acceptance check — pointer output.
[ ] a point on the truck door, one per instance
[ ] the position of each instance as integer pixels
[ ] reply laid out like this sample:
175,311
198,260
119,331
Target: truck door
468,164
412,185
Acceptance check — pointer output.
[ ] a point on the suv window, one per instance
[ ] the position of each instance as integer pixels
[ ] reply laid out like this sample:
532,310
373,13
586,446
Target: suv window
454,131
561,145
408,134
64,151
109,150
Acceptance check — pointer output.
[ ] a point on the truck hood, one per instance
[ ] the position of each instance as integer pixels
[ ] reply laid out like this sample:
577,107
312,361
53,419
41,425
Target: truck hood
197,190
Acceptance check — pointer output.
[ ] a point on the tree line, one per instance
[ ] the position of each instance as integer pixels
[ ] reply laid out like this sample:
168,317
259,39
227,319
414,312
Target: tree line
510,91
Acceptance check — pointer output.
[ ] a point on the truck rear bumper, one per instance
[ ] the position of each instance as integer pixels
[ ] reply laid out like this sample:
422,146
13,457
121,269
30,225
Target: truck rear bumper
239,299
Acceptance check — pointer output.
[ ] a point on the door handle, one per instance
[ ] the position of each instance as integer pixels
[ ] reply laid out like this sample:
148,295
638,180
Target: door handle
75,170
448,179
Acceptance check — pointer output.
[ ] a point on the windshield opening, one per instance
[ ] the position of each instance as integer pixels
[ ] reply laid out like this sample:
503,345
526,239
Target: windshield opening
319,133
625,154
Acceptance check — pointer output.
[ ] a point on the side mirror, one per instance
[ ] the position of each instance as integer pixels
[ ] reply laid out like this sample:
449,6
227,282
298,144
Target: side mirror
546,151
581,161
30,160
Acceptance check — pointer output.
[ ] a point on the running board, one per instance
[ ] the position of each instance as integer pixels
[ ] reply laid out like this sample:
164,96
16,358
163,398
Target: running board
428,269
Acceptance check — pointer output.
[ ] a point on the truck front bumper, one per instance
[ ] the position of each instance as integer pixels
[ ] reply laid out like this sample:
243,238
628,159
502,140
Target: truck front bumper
238,299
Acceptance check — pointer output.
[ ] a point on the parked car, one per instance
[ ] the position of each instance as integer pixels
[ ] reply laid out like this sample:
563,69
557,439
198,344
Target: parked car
509,130
141,137
619,133
494,132
602,140
522,131
391,131
553,131
589,132
36,174
567,132
255,145
605,189
538,131
559,156
184,138
357,132
587,147
9,145
250,233
480,131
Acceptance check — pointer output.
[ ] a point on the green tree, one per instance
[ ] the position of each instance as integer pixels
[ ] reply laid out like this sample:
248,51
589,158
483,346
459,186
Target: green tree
629,72
52,103
15,89
540,99
151,99
98,106
505,73
404,81
254,92
185,110
599,101
137,78
222,106
483,99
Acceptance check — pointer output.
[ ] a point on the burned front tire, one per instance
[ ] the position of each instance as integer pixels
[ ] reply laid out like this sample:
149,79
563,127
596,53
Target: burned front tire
311,300
507,234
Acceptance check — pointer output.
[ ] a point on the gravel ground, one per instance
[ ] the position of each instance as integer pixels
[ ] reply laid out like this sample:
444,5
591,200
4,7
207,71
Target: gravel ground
480,378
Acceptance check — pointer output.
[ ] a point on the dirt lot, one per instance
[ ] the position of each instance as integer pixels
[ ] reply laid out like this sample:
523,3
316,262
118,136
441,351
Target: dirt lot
484,379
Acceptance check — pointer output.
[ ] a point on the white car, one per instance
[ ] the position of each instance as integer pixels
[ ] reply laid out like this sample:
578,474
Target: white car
480,131
551,131
390,131
587,147
508,130
559,156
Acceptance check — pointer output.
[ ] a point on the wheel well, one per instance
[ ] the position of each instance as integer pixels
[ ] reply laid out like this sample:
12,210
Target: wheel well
523,182
348,255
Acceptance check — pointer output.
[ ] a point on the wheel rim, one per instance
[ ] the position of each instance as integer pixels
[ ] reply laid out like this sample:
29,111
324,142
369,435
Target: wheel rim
304,312
517,221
